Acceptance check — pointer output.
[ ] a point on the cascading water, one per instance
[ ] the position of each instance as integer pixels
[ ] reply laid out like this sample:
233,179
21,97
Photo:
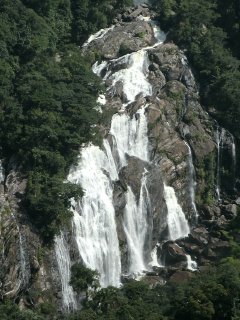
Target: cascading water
133,75
24,272
94,223
1,172
94,216
178,226
192,181
191,265
98,35
64,267
226,159
130,136
234,160
219,140
136,227
177,223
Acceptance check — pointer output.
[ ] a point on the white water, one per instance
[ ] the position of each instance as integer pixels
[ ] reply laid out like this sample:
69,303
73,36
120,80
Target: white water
94,217
234,160
177,223
191,264
130,135
94,223
23,278
133,76
2,176
23,261
136,227
192,180
64,267
155,262
98,35
218,141
223,137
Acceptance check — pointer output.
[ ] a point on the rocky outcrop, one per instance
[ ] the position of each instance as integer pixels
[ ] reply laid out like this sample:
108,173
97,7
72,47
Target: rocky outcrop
123,39
176,123
131,176
27,272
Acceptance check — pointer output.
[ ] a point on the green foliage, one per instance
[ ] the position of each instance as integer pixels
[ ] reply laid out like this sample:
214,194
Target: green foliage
82,278
124,49
10,311
91,15
212,295
48,99
209,30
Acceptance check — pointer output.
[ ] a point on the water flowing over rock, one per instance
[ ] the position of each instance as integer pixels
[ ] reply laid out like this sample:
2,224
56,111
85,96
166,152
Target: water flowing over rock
64,266
192,182
143,207
136,227
130,136
177,224
94,216
226,160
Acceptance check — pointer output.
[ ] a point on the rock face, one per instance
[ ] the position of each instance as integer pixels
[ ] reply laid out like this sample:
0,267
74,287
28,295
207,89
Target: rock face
26,267
125,38
181,136
182,152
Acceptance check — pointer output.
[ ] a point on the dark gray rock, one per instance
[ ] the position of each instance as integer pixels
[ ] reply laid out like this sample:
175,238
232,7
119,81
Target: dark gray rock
172,253
124,35
200,236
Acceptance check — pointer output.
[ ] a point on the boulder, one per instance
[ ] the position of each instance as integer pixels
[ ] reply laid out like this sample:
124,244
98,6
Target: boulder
126,35
172,253
199,236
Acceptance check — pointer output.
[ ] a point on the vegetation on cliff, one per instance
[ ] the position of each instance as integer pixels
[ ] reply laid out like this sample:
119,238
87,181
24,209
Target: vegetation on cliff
48,109
213,294
208,31
48,97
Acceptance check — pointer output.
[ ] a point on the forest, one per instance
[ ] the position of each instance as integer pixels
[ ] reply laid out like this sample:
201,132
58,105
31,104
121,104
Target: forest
209,32
48,97
48,110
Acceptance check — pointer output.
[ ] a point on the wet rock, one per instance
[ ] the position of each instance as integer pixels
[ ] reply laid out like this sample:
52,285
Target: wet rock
124,35
230,211
199,236
238,201
211,212
220,247
172,253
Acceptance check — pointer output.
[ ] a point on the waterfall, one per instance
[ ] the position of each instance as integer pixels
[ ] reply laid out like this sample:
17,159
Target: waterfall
219,140
23,260
24,272
94,225
98,35
94,216
154,256
226,158
177,223
2,176
234,160
191,265
130,135
192,181
133,75
64,267
136,227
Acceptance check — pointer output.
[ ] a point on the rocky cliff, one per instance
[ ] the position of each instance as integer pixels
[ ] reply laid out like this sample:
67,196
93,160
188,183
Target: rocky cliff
155,201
